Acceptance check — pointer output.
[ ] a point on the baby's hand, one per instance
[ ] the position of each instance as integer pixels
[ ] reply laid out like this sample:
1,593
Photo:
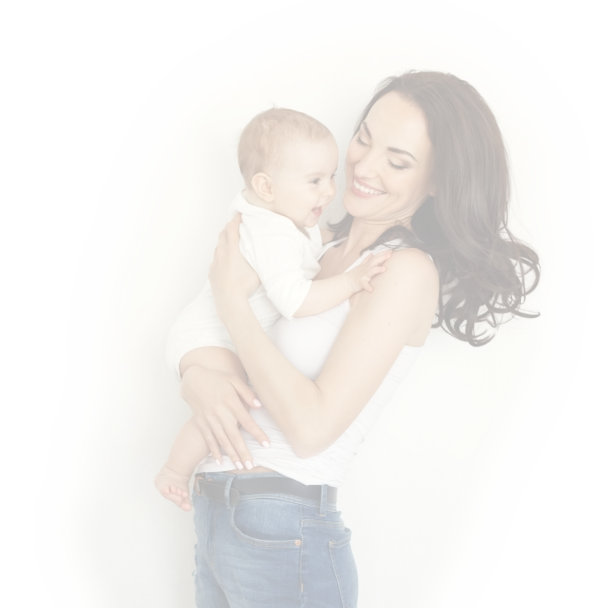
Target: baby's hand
372,265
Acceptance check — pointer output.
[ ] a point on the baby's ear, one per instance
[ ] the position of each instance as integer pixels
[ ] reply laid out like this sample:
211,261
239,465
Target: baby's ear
263,187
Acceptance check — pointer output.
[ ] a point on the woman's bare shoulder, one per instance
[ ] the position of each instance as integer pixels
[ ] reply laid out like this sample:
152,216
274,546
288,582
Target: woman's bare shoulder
413,265
403,301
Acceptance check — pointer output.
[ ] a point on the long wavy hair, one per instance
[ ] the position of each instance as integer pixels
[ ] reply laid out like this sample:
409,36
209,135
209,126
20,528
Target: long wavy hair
485,272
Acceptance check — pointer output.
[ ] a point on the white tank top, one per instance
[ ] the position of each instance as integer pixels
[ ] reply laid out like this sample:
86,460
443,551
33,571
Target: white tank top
306,342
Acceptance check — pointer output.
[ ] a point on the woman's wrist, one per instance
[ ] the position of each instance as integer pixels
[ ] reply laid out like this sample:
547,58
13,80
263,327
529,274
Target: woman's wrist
235,312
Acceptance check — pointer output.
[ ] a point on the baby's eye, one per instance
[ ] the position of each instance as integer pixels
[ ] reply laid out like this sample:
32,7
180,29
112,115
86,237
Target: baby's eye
315,181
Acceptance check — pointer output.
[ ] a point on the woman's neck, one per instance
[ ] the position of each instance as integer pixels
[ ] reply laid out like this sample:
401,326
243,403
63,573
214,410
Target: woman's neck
362,235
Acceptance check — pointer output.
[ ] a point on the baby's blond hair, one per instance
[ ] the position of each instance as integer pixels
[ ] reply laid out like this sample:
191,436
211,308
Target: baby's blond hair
263,137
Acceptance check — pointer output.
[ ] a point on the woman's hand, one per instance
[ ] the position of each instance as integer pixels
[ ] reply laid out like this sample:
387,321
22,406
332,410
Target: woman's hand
219,401
232,279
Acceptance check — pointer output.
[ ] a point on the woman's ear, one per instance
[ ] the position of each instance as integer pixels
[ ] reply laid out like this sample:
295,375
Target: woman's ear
263,187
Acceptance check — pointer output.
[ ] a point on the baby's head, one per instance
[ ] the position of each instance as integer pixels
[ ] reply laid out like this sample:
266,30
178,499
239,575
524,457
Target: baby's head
288,160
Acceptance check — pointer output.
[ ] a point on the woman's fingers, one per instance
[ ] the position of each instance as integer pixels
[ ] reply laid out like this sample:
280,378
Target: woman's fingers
239,448
229,437
220,438
219,421
219,401
209,438
249,425
234,448
244,418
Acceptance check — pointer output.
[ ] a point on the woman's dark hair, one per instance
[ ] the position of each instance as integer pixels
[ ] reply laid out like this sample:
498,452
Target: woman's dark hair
485,273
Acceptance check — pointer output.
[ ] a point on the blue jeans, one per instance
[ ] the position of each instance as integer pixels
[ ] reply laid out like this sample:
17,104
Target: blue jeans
271,551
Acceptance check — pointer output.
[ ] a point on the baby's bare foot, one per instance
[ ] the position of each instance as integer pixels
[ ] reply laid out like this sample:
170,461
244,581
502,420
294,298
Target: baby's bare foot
174,486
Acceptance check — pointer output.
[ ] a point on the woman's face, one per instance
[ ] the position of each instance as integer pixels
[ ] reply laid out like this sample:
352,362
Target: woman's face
389,163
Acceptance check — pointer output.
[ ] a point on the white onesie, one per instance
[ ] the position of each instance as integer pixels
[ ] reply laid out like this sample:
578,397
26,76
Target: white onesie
285,260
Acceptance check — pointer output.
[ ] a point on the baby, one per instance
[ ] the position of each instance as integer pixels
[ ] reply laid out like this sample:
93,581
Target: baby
288,161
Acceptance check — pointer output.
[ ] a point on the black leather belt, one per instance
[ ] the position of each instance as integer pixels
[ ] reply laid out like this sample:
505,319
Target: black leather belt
246,485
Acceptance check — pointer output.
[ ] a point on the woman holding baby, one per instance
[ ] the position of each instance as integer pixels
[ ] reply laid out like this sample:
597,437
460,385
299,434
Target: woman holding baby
427,179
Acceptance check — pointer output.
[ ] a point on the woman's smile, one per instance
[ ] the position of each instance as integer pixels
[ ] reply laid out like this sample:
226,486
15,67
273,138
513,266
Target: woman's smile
363,190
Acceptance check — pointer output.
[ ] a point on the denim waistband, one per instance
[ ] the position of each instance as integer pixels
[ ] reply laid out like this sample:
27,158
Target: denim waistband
229,488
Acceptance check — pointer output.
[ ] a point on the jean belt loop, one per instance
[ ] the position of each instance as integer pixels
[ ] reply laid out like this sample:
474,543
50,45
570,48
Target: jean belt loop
323,505
197,488
227,492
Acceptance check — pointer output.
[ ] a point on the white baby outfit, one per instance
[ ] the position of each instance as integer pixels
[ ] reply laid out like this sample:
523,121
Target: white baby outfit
285,259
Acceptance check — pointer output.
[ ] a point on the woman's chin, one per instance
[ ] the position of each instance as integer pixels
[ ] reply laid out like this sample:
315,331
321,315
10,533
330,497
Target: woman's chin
357,206
352,203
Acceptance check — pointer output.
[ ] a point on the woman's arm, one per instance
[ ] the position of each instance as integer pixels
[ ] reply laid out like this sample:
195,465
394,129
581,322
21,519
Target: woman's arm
313,414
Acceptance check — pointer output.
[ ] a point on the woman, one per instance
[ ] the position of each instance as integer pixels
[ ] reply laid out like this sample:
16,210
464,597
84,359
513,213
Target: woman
426,176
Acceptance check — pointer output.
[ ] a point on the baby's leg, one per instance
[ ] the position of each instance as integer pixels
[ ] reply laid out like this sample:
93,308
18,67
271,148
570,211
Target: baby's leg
173,479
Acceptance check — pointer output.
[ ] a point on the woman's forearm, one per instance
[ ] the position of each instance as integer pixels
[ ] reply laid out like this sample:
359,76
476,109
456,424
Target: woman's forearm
213,358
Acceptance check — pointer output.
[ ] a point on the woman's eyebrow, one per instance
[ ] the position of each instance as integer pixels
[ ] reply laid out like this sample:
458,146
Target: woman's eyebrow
390,148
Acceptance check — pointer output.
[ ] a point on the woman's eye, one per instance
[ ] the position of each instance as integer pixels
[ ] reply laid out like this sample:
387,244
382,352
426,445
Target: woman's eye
395,166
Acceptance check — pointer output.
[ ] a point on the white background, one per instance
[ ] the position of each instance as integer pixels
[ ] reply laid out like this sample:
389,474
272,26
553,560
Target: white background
119,126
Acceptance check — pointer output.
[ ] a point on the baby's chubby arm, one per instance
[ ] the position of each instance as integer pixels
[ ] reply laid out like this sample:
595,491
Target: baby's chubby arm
327,293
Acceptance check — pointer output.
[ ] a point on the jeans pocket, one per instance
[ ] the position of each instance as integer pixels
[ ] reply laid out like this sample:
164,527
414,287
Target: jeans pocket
328,566
267,523
344,567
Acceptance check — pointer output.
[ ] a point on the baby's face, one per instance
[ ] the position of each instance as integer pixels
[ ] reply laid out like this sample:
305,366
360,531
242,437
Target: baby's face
303,180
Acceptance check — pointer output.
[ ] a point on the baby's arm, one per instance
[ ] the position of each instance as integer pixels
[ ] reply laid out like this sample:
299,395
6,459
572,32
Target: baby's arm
327,293
173,479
